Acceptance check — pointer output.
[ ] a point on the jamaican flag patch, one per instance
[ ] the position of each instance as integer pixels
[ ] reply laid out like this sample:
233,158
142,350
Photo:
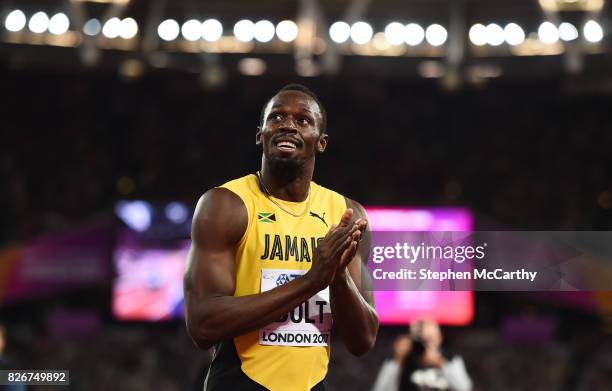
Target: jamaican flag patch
266,217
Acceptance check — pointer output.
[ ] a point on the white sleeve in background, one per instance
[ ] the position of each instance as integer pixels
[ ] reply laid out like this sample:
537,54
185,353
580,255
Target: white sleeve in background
388,377
455,373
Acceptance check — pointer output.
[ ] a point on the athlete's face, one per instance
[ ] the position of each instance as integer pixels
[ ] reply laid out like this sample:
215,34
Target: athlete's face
291,127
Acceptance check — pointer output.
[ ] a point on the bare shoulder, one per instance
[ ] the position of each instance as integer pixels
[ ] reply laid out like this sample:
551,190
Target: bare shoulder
219,214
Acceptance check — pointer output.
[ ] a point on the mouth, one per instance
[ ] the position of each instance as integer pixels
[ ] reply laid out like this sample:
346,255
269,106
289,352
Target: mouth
286,145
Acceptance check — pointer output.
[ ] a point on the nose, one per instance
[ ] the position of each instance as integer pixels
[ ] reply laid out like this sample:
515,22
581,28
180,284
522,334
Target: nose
289,125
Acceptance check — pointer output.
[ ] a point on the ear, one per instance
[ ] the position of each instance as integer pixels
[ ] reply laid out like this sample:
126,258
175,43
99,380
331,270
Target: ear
322,143
258,136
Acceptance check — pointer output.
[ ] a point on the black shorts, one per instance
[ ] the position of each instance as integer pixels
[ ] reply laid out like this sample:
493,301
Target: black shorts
224,373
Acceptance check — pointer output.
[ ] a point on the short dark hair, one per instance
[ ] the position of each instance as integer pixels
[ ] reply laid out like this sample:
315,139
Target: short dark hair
305,90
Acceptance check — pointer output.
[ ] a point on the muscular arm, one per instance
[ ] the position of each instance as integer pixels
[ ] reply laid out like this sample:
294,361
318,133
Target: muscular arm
212,312
352,304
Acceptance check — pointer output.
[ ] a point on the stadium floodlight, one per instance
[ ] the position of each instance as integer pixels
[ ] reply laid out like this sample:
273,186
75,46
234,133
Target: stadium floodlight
568,32
128,28
361,33
430,70
436,35
592,31
252,66
176,212
244,30
548,33
495,34
59,24
478,34
287,31
92,27
15,21
340,32
414,34
264,31
395,33
135,214
112,28
39,22
168,30
192,30
514,34
212,30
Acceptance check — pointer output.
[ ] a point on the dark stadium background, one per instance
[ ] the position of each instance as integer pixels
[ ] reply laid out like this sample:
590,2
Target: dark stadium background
528,146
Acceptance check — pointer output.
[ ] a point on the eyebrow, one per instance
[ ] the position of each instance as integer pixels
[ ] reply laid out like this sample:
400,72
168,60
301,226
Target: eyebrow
276,106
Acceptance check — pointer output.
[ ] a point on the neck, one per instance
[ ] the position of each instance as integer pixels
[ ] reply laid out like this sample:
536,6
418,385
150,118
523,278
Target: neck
289,183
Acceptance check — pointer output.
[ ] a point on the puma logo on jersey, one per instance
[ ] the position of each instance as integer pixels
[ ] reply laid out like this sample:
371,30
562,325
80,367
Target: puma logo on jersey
316,216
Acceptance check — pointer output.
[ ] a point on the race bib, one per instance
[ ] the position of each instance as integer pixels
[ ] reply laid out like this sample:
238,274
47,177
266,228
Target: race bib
308,324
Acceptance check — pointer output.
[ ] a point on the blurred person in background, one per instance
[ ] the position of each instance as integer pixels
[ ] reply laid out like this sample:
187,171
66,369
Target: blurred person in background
5,362
388,376
426,368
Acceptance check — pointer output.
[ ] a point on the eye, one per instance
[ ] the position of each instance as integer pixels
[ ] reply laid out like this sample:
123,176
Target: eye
275,117
304,121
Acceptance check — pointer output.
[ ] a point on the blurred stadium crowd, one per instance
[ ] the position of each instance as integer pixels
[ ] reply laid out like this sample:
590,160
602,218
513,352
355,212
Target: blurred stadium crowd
523,155
520,155
161,357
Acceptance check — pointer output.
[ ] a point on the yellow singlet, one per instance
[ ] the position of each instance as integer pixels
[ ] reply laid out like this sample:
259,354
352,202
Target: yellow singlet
292,354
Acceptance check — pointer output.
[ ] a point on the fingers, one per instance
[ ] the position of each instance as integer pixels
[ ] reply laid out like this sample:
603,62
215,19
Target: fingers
347,217
350,249
340,236
331,230
343,237
348,254
345,222
363,225
354,231
354,237
338,233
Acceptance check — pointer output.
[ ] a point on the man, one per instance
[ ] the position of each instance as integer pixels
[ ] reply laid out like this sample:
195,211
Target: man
389,373
6,364
426,368
268,272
